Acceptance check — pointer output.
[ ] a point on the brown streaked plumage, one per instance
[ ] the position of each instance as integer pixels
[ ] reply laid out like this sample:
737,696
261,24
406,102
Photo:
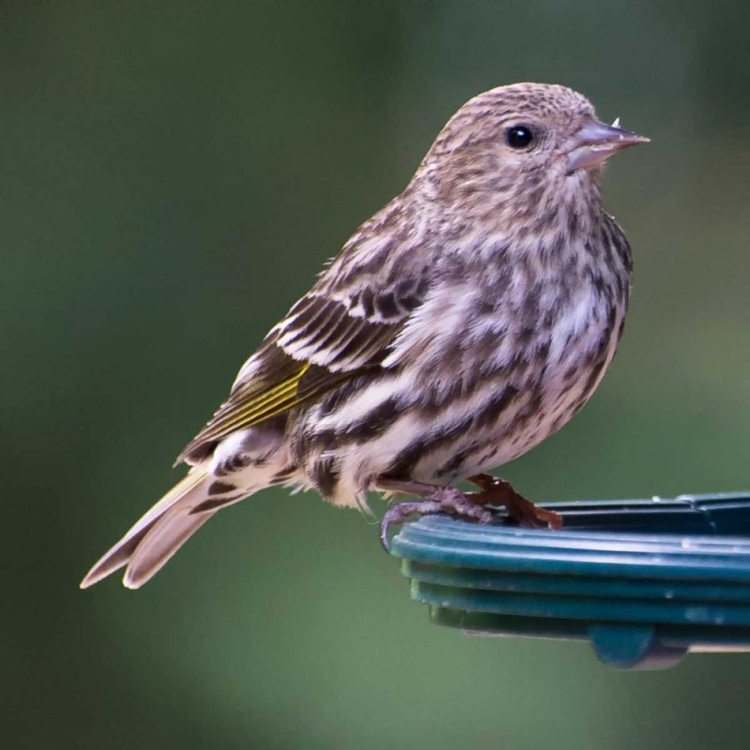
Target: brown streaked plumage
459,326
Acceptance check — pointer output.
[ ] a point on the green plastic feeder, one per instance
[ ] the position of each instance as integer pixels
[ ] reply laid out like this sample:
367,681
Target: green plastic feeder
644,581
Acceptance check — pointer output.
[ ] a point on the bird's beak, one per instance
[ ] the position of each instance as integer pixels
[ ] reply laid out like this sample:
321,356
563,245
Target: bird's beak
596,141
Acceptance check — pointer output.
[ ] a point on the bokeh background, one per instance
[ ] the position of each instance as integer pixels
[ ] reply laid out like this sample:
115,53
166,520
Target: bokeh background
172,176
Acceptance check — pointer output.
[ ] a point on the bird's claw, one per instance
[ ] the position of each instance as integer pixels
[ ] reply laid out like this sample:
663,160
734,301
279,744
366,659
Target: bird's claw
447,500
496,491
472,506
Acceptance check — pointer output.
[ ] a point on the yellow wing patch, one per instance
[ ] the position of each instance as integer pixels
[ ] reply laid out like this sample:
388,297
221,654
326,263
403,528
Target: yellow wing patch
279,382
245,409
244,412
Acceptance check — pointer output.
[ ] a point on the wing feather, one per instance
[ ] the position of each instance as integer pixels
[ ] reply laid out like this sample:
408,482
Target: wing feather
346,324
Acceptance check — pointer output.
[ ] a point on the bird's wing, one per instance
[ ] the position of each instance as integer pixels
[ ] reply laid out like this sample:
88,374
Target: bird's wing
343,326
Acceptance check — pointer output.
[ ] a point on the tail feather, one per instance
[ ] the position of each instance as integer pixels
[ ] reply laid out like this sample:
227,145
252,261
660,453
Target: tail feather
116,558
182,497
168,534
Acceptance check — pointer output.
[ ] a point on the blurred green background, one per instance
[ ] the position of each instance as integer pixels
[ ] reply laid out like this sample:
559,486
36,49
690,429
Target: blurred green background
172,176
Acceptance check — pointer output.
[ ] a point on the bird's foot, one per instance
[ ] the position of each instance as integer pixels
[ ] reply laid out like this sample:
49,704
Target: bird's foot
447,500
496,491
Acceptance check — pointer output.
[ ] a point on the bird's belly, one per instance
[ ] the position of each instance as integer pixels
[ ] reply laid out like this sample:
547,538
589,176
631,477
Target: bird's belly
545,397
448,436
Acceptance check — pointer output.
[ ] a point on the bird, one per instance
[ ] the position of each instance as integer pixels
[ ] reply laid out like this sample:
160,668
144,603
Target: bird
461,325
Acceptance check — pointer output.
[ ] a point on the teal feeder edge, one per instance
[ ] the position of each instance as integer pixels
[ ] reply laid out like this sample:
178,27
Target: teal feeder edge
644,581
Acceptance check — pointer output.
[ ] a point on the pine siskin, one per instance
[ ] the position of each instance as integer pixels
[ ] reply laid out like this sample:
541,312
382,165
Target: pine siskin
461,325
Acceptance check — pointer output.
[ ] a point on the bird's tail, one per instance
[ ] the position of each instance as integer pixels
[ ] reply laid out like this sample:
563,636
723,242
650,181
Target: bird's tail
157,535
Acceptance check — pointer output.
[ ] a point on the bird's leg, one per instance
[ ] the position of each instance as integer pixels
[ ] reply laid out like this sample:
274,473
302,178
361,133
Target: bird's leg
436,499
496,491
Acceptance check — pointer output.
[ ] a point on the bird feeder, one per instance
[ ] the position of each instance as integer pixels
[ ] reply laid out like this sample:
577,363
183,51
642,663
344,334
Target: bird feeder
644,581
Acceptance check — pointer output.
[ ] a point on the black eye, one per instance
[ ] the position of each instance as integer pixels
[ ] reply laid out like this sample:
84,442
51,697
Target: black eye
519,136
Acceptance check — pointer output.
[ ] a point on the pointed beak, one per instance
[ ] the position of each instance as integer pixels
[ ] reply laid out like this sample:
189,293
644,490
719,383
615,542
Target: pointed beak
596,141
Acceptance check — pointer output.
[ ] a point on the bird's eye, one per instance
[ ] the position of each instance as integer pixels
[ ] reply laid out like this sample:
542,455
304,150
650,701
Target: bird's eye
519,136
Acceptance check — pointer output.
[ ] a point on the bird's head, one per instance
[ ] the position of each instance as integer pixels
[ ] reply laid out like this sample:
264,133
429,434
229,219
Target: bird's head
520,141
